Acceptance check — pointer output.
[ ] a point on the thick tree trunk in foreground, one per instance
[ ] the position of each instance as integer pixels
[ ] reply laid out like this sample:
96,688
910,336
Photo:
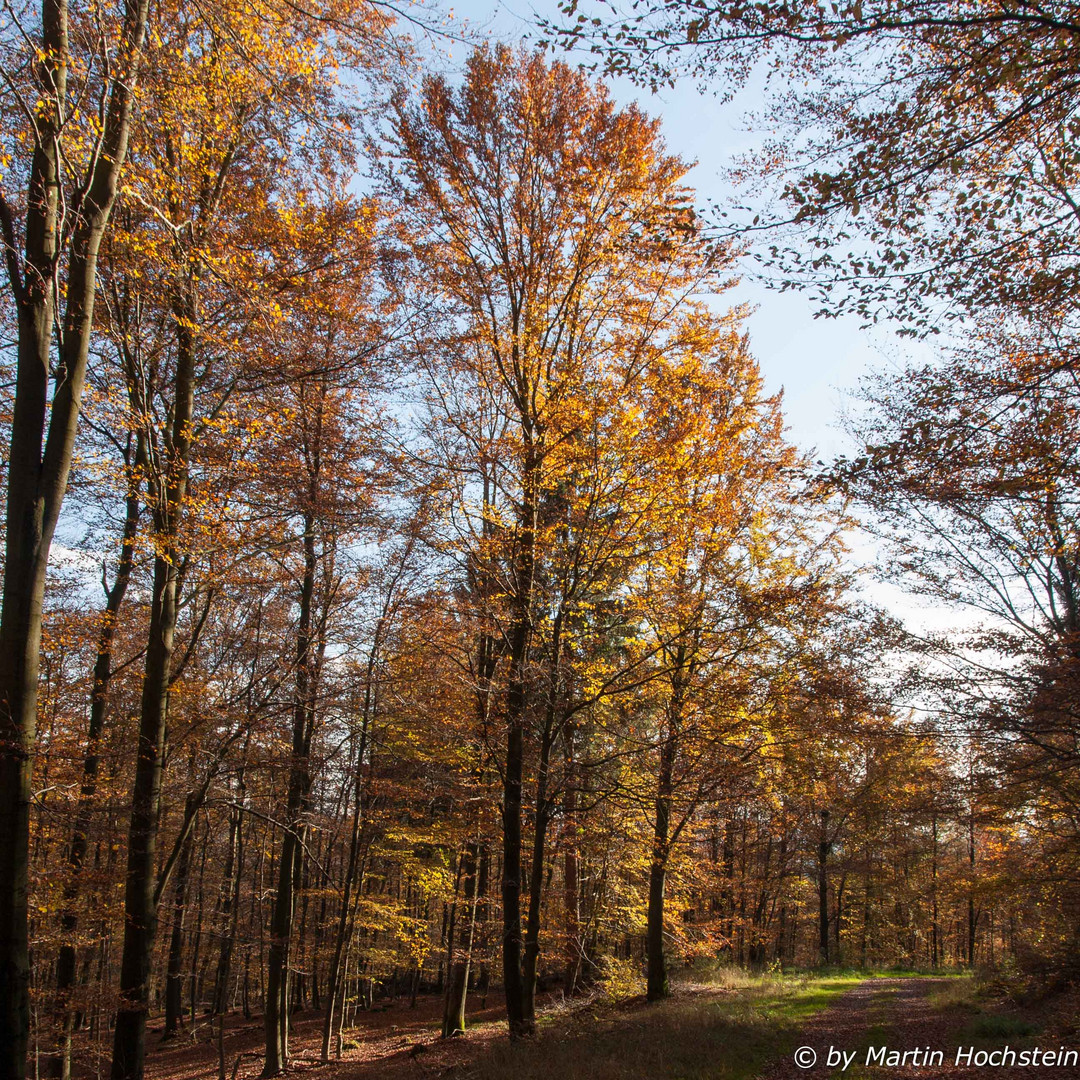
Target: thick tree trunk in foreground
42,443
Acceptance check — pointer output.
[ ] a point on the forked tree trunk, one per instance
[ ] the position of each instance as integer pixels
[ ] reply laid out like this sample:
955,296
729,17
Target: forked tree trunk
42,443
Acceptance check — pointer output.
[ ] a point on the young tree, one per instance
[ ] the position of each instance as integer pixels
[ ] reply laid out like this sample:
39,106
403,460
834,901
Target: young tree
322,488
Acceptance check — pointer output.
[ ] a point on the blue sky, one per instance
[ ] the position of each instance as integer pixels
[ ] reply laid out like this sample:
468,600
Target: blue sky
816,361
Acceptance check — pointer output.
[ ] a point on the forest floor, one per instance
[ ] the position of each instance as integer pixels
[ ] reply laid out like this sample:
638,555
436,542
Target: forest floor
728,1026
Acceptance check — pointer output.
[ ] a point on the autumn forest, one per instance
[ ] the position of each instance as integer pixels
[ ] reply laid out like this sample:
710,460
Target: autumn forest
413,596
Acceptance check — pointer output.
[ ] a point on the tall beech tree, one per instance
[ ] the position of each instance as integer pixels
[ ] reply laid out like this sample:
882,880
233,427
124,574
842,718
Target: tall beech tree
69,120
746,571
132,447
321,482
190,209
557,230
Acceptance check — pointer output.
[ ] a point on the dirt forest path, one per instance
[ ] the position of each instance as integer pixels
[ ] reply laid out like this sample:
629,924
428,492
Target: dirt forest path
843,1024
901,1015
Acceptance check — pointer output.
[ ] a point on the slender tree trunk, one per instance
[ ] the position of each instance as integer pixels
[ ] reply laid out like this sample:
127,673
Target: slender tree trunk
823,889
335,973
140,904
656,976
276,1014
139,907
174,979
350,936
511,882
972,915
230,897
60,1063
571,892
516,699
301,887
727,895
198,971
864,946
838,955
541,818
459,950
536,886
935,932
